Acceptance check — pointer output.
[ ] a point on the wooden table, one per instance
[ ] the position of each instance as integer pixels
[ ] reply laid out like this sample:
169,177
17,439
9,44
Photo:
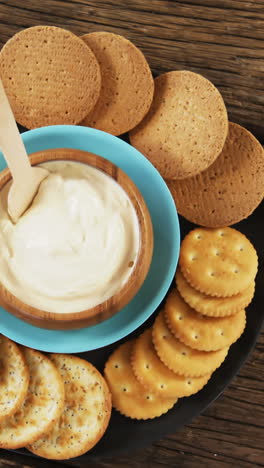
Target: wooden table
224,41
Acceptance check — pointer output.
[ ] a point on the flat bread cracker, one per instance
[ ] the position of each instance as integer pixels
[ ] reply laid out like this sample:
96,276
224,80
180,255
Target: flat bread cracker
42,406
213,306
155,376
181,358
198,331
86,414
218,262
14,378
130,398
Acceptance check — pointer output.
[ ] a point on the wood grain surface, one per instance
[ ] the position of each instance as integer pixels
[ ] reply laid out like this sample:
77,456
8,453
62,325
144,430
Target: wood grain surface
223,40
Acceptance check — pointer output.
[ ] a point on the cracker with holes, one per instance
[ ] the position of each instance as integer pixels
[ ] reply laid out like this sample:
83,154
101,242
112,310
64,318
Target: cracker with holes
127,83
213,306
198,331
186,127
86,414
156,376
181,358
41,407
218,262
14,377
230,189
130,398
50,76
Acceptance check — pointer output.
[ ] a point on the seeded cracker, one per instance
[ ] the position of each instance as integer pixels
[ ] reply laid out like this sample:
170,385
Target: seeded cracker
156,376
14,377
213,306
130,398
42,406
86,413
181,358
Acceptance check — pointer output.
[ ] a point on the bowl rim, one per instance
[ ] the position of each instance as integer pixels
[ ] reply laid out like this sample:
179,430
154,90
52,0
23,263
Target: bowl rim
156,285
142,264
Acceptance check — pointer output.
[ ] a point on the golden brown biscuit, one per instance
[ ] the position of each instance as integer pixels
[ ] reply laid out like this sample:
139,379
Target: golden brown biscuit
127,84
156,377
130,398
213,306
198,331
218,262
186,127
86,414
230,189
50,76
181,358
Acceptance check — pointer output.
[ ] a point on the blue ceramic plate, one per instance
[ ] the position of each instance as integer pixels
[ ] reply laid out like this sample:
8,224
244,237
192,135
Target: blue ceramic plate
166,243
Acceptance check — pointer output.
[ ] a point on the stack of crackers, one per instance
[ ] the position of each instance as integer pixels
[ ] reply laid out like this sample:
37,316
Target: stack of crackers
192,334
58,406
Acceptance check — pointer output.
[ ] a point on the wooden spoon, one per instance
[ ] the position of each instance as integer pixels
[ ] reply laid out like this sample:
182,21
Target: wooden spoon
26,179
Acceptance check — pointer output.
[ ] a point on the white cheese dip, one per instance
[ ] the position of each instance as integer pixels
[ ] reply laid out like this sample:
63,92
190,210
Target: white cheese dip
74,247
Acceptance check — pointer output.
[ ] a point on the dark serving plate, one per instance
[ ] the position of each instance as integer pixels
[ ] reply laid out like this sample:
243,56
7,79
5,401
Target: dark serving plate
124,434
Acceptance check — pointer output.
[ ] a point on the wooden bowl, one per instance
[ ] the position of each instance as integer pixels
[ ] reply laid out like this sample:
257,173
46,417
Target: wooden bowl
94,315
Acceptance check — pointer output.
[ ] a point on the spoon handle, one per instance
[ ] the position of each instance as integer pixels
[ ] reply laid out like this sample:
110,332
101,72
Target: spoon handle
11,142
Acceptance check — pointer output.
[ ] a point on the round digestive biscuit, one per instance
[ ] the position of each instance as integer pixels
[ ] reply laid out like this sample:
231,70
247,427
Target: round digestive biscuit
156,376
14,378
41,407
230,189
186,127
181,358
50,76
218,262
127,84
86,413
198,331
213,306
130,398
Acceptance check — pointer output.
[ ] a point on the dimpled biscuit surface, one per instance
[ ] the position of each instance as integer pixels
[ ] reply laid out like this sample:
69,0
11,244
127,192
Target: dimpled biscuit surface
50,76
213,306
181,358
230,189
198,331
186,127
155,376
130,398
127,84
218,262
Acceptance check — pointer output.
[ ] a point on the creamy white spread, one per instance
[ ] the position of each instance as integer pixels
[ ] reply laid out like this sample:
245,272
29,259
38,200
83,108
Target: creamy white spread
76,244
